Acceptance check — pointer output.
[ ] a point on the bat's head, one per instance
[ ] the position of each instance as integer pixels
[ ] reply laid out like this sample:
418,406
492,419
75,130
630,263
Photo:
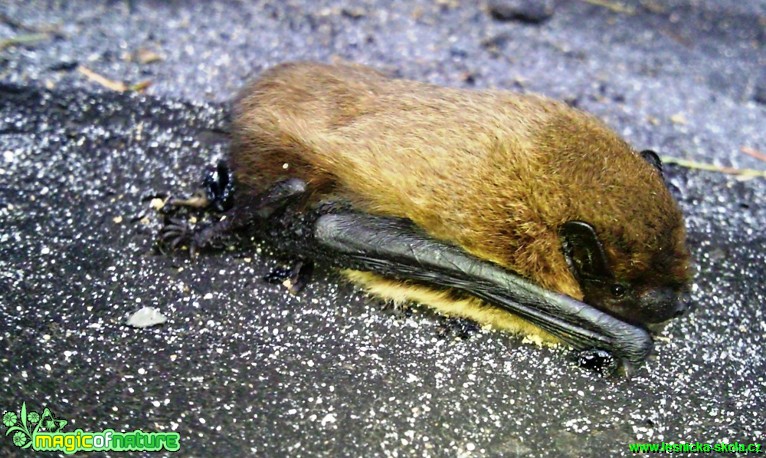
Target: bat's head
641,286
621,230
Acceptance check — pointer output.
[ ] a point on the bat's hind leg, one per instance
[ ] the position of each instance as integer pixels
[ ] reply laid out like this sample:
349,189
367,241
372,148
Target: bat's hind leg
246,211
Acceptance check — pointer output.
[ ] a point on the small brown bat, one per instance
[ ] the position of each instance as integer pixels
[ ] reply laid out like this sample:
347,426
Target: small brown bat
509,209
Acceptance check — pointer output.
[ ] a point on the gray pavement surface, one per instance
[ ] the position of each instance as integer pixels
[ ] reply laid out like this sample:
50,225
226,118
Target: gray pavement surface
242,367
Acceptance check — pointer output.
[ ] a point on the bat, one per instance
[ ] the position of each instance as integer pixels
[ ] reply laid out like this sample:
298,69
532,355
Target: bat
513,210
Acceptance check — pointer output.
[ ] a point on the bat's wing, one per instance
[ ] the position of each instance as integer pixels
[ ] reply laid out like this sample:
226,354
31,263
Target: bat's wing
396,248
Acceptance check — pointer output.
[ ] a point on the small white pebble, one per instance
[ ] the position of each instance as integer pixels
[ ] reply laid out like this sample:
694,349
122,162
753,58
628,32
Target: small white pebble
145,317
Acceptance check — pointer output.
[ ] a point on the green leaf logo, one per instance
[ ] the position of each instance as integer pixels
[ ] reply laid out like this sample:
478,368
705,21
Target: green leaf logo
22,426
17,425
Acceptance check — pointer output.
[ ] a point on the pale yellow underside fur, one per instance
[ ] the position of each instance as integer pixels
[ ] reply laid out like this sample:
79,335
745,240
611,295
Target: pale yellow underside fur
471,308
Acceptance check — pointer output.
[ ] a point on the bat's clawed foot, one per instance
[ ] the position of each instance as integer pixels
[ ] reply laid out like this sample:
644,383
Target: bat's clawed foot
460,328
217,195
177,233
295,277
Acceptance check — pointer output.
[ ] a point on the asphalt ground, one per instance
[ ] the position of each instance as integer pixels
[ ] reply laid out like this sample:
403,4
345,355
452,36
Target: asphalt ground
242,367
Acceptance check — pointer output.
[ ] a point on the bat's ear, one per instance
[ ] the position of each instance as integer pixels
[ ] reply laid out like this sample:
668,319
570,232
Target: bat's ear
652,158
584,251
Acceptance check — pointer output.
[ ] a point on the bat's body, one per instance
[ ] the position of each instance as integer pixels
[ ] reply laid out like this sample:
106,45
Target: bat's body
520,182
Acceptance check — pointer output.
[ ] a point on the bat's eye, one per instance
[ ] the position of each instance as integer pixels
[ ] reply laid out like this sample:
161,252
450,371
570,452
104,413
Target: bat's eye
618,290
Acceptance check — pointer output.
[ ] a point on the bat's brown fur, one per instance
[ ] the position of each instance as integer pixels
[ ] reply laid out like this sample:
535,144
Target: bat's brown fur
494,172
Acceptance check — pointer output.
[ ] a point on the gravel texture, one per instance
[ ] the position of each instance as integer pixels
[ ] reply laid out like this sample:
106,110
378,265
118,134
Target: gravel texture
242,367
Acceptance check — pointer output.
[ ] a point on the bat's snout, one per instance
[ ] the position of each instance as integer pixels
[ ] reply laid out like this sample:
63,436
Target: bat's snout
663,303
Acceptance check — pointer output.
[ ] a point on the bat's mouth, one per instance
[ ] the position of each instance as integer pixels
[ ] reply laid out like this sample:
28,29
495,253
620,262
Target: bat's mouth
395,248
